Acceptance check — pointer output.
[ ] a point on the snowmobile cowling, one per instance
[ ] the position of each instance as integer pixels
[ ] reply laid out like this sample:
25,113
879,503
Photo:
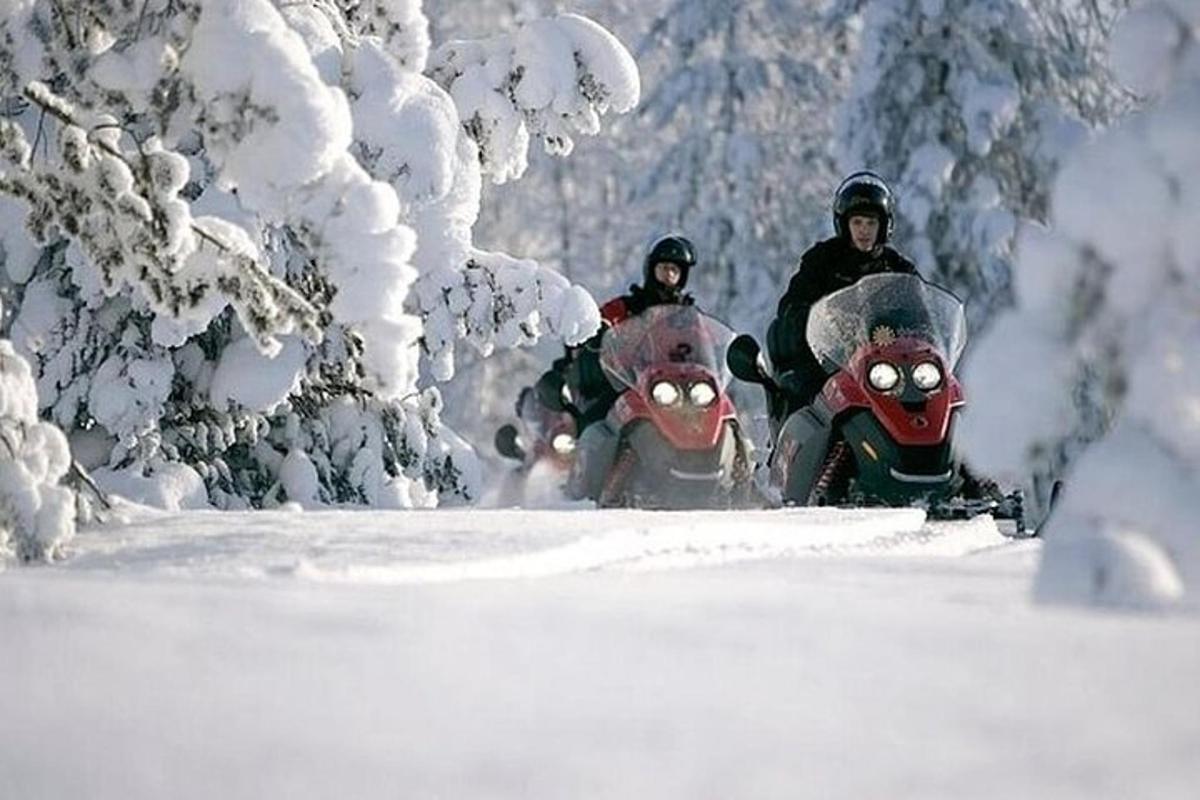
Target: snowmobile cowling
910,416
683,424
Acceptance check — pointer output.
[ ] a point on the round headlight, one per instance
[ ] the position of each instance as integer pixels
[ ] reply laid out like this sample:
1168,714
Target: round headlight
563,443
883,376
927,376
702,394
664,393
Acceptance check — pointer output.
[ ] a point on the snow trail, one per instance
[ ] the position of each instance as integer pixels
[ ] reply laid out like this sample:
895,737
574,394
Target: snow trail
449,546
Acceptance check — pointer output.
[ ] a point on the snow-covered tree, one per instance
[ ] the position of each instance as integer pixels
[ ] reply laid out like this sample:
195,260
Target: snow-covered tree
967,105
739,116
570,214
37,516
250,221
1105,338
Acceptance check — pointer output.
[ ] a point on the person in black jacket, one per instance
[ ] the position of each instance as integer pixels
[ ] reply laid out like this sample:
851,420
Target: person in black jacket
664,275
863,217
864,210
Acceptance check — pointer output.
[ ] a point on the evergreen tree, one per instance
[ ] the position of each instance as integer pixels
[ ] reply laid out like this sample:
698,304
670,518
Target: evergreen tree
250,222
1104,341
739,121
967,105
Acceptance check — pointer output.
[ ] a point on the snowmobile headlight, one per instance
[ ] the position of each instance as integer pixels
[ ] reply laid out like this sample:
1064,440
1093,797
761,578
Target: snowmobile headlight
883,376
665,393
563,444
927,376
702,394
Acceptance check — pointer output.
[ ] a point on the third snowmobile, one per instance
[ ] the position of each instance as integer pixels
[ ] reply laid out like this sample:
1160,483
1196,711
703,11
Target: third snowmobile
543,446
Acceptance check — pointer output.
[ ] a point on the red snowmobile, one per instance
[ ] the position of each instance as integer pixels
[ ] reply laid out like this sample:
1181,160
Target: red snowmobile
672,439
543,435
881,432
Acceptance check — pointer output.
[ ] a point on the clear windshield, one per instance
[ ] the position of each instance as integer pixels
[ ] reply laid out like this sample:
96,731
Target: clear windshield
879,308
666,334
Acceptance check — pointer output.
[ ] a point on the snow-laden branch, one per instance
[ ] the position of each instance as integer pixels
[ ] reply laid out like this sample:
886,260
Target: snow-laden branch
408,131
125,212
37,517
552,79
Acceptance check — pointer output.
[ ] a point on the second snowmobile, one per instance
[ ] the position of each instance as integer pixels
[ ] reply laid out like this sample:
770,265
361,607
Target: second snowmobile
672,438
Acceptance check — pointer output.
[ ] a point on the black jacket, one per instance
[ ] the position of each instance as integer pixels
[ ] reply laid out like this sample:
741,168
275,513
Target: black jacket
824,268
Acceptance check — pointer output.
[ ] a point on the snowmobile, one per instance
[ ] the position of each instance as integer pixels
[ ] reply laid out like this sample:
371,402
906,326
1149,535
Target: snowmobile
881,431
544,436
672,438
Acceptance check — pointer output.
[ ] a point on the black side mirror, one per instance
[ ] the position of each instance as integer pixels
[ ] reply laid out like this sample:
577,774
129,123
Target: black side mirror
745,360
551,391
507,444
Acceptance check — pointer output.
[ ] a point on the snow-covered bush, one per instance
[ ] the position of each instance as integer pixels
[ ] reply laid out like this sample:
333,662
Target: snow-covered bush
1105,339
250,221
37,516
967,106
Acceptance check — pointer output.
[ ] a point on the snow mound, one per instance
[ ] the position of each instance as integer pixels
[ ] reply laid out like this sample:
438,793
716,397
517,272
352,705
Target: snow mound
1124,569
256,381
167,485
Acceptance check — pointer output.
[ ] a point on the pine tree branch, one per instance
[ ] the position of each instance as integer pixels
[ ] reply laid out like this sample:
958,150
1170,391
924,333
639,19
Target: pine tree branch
78,473
66,26
37,137
249,268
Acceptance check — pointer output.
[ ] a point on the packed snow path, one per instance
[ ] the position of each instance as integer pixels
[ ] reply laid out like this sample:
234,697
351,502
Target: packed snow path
509,654
439,546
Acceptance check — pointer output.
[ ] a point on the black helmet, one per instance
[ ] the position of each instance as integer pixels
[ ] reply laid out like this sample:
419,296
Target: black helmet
672,249
864,194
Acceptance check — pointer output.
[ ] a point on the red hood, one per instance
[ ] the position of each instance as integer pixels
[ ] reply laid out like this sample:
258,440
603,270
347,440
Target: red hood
929,425
684,425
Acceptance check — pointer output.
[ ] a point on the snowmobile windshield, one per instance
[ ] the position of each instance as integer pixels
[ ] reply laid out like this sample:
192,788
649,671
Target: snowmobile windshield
663,335
881,308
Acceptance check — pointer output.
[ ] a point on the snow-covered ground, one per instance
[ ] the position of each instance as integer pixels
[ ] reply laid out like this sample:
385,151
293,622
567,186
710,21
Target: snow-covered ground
570,653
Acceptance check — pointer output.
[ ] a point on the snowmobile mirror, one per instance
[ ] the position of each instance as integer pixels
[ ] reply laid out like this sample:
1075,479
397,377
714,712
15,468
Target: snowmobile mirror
744,358
507,444
550,391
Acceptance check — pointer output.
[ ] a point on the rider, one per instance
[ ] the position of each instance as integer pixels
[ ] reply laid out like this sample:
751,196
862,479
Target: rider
863,217
864,209
664,275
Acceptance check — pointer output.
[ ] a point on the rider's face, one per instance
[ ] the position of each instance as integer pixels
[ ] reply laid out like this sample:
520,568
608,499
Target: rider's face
863,232
668,274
